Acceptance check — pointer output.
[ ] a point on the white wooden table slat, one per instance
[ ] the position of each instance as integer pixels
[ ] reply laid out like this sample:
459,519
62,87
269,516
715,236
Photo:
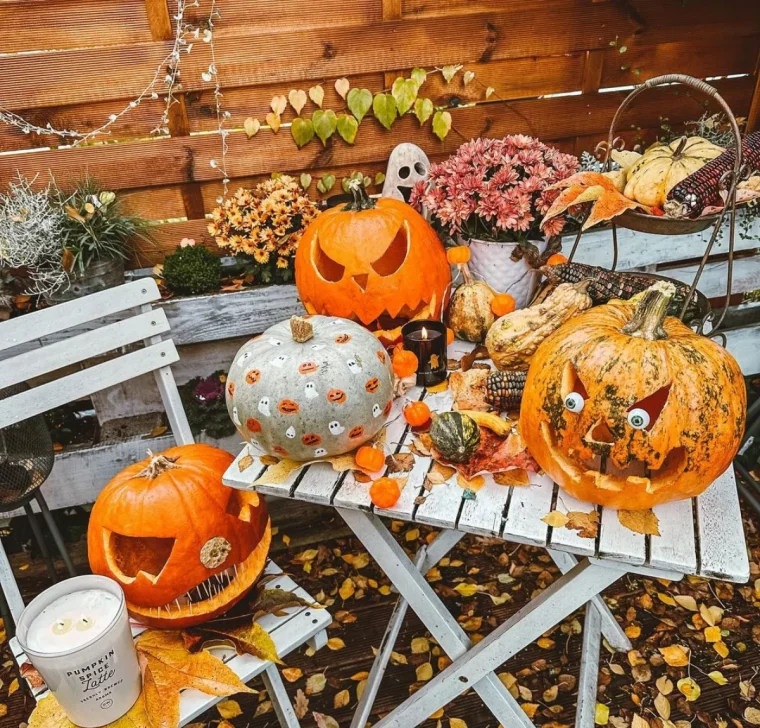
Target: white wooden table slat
317,484
618,542
527,506
567,539
483,514
723,549
415,479
674,548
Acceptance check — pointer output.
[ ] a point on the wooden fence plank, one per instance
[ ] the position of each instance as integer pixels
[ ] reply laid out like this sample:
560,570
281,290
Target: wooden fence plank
34,25
313,53
188,159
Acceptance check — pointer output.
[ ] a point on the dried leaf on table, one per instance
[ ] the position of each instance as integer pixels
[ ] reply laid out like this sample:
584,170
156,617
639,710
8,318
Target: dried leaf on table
243,634
475,483
555,519
49,714
479,352
279,472
437,388
438,474
587,524
276,601
422,445
168,668
245,462
514,477
468,390
495,454
401,462
645,522
31,675
594,187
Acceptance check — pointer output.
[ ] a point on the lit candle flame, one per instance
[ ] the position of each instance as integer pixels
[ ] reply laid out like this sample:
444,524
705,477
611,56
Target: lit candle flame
424,333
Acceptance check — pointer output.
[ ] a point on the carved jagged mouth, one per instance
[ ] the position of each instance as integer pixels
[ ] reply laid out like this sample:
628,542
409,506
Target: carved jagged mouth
607,476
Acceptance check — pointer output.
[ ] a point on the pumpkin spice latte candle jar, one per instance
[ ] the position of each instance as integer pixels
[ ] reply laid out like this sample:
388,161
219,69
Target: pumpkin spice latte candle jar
427,340
77,635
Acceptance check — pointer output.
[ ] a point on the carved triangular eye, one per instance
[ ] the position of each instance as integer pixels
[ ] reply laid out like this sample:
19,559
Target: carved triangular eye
643,415
571,382
328,268
395,255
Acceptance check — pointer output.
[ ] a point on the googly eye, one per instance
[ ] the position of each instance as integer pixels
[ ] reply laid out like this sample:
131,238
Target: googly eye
84,623
61,626
638,419
574,402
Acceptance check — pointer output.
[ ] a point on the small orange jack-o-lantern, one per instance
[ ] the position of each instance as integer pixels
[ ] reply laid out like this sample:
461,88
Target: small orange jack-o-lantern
627,408
377,262
183,546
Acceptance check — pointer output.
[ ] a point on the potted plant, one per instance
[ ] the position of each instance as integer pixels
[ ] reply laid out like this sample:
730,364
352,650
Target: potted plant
96,240
491,195
262,227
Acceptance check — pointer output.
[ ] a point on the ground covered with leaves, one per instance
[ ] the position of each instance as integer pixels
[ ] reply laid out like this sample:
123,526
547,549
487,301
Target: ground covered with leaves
696,655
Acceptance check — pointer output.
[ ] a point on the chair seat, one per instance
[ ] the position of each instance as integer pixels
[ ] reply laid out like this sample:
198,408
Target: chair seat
294,628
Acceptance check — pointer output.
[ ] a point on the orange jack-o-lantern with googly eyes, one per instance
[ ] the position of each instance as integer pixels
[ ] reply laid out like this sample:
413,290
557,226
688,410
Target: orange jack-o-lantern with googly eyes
377,262
626,408
182,546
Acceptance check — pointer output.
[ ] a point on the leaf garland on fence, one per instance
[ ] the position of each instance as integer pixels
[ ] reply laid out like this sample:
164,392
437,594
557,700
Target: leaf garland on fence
387,106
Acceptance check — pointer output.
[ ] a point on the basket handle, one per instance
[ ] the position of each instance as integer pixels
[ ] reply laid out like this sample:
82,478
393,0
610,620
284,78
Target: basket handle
700,87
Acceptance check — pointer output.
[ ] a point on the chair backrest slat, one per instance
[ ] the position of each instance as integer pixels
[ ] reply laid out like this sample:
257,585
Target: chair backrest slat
84,383
69,315
31,364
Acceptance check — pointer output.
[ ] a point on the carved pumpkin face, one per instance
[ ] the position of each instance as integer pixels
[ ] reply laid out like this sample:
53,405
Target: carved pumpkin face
626,410
375,262
183,546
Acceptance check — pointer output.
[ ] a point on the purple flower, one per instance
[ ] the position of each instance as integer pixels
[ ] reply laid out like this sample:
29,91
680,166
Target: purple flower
209,389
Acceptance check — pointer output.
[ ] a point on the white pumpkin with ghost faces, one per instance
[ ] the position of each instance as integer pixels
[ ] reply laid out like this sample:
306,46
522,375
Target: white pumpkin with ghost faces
309,388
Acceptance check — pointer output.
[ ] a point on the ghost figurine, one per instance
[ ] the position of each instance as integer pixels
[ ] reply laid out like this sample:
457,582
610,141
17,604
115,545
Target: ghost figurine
407,166
336,428
320,452
354,366
290,432
264,407
376,410
310,391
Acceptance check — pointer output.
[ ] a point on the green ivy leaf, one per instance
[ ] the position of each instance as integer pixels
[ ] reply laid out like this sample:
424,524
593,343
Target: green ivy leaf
441,124
305,180
450,71
404,90
302,131
379,178
344,184
347,127
384,108
419,75
326,183
251,127
325,123
366,181
422,109
359,102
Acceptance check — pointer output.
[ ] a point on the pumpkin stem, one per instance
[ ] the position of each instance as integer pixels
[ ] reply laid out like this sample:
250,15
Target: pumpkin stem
300,329
158,464
679,148
466,275
646,322
361,201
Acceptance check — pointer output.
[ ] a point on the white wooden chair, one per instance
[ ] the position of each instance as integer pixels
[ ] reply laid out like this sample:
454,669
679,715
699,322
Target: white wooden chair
113,321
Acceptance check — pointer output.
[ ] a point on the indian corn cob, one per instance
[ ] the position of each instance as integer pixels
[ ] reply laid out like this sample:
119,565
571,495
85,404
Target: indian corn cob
504,390
701,189
607,284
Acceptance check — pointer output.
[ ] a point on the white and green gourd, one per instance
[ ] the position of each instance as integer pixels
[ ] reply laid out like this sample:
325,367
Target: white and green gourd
311,387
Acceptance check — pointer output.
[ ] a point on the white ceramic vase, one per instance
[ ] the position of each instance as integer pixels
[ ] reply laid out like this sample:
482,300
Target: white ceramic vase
492,263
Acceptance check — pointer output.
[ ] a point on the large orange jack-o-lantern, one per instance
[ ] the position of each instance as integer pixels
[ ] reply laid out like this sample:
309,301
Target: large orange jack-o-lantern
377,262
182,545
627,408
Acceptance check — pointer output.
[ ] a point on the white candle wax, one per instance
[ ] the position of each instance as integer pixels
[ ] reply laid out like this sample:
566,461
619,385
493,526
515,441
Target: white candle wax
72,620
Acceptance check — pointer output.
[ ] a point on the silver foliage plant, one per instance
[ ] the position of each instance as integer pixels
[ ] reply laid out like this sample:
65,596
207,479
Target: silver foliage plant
31,235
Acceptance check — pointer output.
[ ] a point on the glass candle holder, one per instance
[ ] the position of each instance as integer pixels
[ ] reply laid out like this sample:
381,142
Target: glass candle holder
77,635
427,340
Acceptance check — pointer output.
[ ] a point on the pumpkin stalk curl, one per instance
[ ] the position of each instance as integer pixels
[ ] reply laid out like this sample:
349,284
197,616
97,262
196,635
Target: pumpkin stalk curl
646,322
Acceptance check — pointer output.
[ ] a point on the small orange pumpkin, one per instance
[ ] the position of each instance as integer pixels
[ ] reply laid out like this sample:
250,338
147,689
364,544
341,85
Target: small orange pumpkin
417,413
502,304
405,363
384,492
369,458
377,262
459,255
183,546
449,337
556,259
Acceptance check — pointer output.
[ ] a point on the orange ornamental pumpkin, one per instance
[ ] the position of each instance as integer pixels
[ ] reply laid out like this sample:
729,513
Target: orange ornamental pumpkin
183,546
627,408
377,262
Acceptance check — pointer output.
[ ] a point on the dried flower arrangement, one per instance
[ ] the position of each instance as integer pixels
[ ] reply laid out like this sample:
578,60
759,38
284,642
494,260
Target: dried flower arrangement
495,189
264,226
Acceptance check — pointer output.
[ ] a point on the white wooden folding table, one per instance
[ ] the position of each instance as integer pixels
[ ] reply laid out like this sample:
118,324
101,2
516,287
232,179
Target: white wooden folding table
703,536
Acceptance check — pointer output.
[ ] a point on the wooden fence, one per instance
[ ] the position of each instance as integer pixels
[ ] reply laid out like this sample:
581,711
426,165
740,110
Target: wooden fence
551,63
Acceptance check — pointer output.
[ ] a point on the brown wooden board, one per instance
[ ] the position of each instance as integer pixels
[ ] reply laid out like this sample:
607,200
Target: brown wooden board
186,159
511,31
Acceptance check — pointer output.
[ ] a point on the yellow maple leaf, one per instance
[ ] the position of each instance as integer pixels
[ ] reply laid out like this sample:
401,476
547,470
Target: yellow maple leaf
645,521
49,714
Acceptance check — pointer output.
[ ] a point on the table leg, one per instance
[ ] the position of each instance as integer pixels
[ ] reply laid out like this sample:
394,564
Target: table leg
279,697
589,675
554,604
426,558
611,630
453,640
